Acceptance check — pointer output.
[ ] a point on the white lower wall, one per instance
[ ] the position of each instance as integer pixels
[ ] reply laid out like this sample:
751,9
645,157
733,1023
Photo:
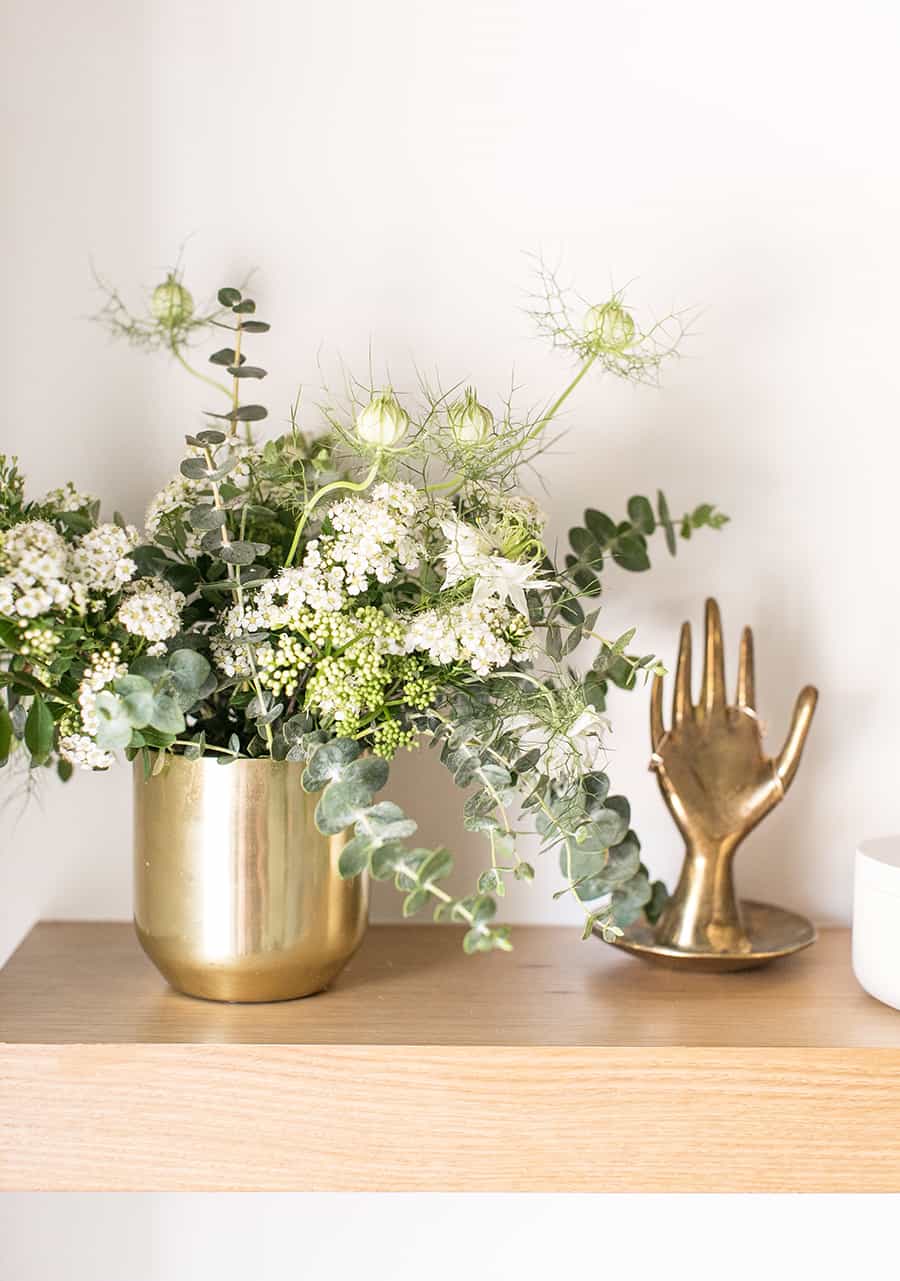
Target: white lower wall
224,1237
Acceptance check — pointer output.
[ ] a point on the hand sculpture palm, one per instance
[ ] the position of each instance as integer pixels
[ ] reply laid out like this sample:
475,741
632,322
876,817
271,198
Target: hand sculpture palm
718,783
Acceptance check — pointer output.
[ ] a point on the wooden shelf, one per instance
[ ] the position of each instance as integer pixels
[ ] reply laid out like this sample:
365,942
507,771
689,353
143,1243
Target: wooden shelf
563,1067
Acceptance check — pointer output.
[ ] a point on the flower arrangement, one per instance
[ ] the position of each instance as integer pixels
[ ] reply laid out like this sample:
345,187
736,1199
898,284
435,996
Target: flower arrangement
332,597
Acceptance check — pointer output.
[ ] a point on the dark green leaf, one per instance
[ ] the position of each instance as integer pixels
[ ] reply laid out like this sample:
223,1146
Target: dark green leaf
229,296
245,308
237,553
255,327
39,729
600,525
631,553
640,513
224,357
6,733
194,469
665,520
659,896
205,517
248,371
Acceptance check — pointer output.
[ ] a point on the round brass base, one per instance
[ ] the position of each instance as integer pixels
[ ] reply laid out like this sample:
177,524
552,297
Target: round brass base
773,932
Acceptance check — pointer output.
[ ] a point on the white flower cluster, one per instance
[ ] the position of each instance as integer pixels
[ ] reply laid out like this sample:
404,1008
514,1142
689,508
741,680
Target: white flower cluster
151,608
76,744
43,573
82,752
174,499
375,536
100,558
68,499
483,634
34,558
232,660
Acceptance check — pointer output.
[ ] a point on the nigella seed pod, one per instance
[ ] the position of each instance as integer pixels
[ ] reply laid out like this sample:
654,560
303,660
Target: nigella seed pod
609,327
470,422
383,422
171,304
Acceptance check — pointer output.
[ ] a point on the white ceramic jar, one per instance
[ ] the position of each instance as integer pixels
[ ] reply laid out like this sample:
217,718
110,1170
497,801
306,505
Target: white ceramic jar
876,918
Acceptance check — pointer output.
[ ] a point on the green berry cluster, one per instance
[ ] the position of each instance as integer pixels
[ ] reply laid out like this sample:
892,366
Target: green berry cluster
282,665
389,736
39,640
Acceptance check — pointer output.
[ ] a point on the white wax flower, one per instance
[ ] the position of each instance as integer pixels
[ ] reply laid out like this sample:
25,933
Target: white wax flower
609,326
470,422
383,422
468,555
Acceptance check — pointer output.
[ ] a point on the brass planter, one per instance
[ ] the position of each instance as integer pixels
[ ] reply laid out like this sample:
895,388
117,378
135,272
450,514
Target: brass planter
237,895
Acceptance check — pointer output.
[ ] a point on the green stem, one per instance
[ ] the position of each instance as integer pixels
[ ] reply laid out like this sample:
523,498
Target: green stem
207,747
176,352
356,487
551,413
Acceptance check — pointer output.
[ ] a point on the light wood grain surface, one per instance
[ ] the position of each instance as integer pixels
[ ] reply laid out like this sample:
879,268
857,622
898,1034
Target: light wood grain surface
564,1067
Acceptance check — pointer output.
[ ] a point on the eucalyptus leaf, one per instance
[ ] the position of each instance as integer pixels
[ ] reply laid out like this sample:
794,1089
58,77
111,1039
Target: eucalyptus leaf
372,771
329,762
167,716
114,728
354,857
340,805
136,696
204,516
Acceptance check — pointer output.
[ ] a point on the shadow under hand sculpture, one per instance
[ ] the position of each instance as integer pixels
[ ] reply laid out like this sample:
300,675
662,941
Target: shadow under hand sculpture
718,784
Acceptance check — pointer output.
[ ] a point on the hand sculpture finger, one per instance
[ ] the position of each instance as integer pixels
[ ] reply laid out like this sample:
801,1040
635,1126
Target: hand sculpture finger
657,728
681,706
746,684
789,757
712,698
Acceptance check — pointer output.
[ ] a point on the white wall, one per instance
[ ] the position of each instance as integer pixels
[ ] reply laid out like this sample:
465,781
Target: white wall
230,1237
384,166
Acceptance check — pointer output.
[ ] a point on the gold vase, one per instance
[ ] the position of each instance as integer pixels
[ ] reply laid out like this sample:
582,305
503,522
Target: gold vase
237,895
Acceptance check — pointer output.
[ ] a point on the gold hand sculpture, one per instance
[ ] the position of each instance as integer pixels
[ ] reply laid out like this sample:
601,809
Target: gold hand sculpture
718,783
